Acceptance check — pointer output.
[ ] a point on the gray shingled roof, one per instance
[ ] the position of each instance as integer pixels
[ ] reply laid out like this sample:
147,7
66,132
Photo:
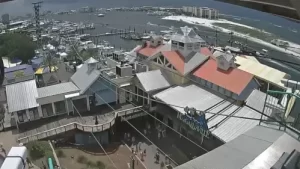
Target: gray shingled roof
21,96
60,88
153,80
84,79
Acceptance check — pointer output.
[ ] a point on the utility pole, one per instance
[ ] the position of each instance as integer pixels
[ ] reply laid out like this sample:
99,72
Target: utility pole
216,38
37,6
231,38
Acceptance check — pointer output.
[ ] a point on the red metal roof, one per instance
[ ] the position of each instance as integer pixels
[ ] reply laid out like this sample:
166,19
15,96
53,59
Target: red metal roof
234,80
148,50
175,58
205,51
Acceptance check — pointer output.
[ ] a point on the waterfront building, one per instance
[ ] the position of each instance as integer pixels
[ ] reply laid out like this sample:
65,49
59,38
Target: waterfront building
201,12
5,19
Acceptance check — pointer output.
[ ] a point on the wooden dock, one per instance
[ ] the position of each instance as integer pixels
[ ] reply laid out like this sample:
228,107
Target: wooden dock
86,124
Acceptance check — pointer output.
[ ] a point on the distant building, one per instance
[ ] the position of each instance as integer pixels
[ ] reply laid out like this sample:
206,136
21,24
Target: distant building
202,12
5,19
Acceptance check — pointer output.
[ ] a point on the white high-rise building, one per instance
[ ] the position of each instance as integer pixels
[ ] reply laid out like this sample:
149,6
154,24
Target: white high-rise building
202,12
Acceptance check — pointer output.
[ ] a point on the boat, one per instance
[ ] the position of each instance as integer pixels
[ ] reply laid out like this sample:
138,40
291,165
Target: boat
100,15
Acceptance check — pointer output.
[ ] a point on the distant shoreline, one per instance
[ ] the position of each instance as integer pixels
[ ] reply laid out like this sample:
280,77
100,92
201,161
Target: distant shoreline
209,23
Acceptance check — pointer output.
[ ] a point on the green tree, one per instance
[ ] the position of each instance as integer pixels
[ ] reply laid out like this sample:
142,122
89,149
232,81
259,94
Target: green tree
54,43
15,45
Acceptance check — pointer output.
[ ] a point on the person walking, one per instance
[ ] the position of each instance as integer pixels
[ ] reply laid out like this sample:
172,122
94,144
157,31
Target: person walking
29,162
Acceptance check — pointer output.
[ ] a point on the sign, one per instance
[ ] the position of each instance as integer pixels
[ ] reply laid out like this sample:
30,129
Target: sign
133,116
197,122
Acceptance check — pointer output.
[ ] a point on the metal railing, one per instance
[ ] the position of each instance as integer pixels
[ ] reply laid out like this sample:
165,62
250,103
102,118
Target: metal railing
77,125
281,123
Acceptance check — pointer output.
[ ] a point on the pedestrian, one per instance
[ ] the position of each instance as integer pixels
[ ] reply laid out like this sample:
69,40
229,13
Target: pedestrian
128,137
166,159
142,156
149,128
132,150
44,166
132,140
137,147
145,132
140,146
29,162
125,136
158,134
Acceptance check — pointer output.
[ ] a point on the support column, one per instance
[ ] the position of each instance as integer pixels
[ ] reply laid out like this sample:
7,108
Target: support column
53,108
88,103
27,114
40,111
15,114
67,106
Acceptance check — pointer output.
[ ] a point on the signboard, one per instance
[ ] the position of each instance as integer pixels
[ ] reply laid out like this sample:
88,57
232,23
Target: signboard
133,116
196,121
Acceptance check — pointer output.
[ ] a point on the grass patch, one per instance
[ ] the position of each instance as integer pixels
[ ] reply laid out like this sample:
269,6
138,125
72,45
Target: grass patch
82,159
40,150
90,164
60,154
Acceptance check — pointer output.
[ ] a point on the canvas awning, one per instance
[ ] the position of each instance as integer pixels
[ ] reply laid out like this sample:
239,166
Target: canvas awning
43,70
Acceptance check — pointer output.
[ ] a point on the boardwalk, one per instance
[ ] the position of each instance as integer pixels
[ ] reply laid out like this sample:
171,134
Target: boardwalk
86,123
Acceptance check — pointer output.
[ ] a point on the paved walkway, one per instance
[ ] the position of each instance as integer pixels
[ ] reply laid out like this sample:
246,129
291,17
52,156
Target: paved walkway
44,128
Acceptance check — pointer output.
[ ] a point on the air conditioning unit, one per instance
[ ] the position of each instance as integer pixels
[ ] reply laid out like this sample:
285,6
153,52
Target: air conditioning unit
124,70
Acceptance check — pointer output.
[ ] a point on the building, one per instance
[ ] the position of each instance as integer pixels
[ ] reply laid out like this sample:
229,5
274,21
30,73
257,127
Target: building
268,77
28,103
5,19
18,74
180,56
261,147
221,76
201,12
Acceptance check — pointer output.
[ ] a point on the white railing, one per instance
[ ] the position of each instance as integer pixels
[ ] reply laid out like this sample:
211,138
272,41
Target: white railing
76,125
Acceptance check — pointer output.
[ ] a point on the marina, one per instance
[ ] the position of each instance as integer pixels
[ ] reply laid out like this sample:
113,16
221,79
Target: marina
169,81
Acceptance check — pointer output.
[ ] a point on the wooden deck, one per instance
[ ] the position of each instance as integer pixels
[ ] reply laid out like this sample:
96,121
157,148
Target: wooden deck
86,123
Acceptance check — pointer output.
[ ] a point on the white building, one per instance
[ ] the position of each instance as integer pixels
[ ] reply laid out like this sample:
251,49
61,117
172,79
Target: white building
202,12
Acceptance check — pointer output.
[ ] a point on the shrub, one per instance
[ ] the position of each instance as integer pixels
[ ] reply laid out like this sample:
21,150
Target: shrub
60,154
39,149
100,165
90,164
82,159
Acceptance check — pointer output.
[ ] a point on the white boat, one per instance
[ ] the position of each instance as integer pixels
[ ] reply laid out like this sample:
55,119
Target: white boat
100,15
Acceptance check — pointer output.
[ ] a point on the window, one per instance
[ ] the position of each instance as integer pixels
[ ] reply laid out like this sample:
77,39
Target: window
34,114
174,43
181,44
47,110
60,107
22,116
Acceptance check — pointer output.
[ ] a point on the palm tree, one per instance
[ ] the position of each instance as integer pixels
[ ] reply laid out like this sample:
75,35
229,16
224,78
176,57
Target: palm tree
50,60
